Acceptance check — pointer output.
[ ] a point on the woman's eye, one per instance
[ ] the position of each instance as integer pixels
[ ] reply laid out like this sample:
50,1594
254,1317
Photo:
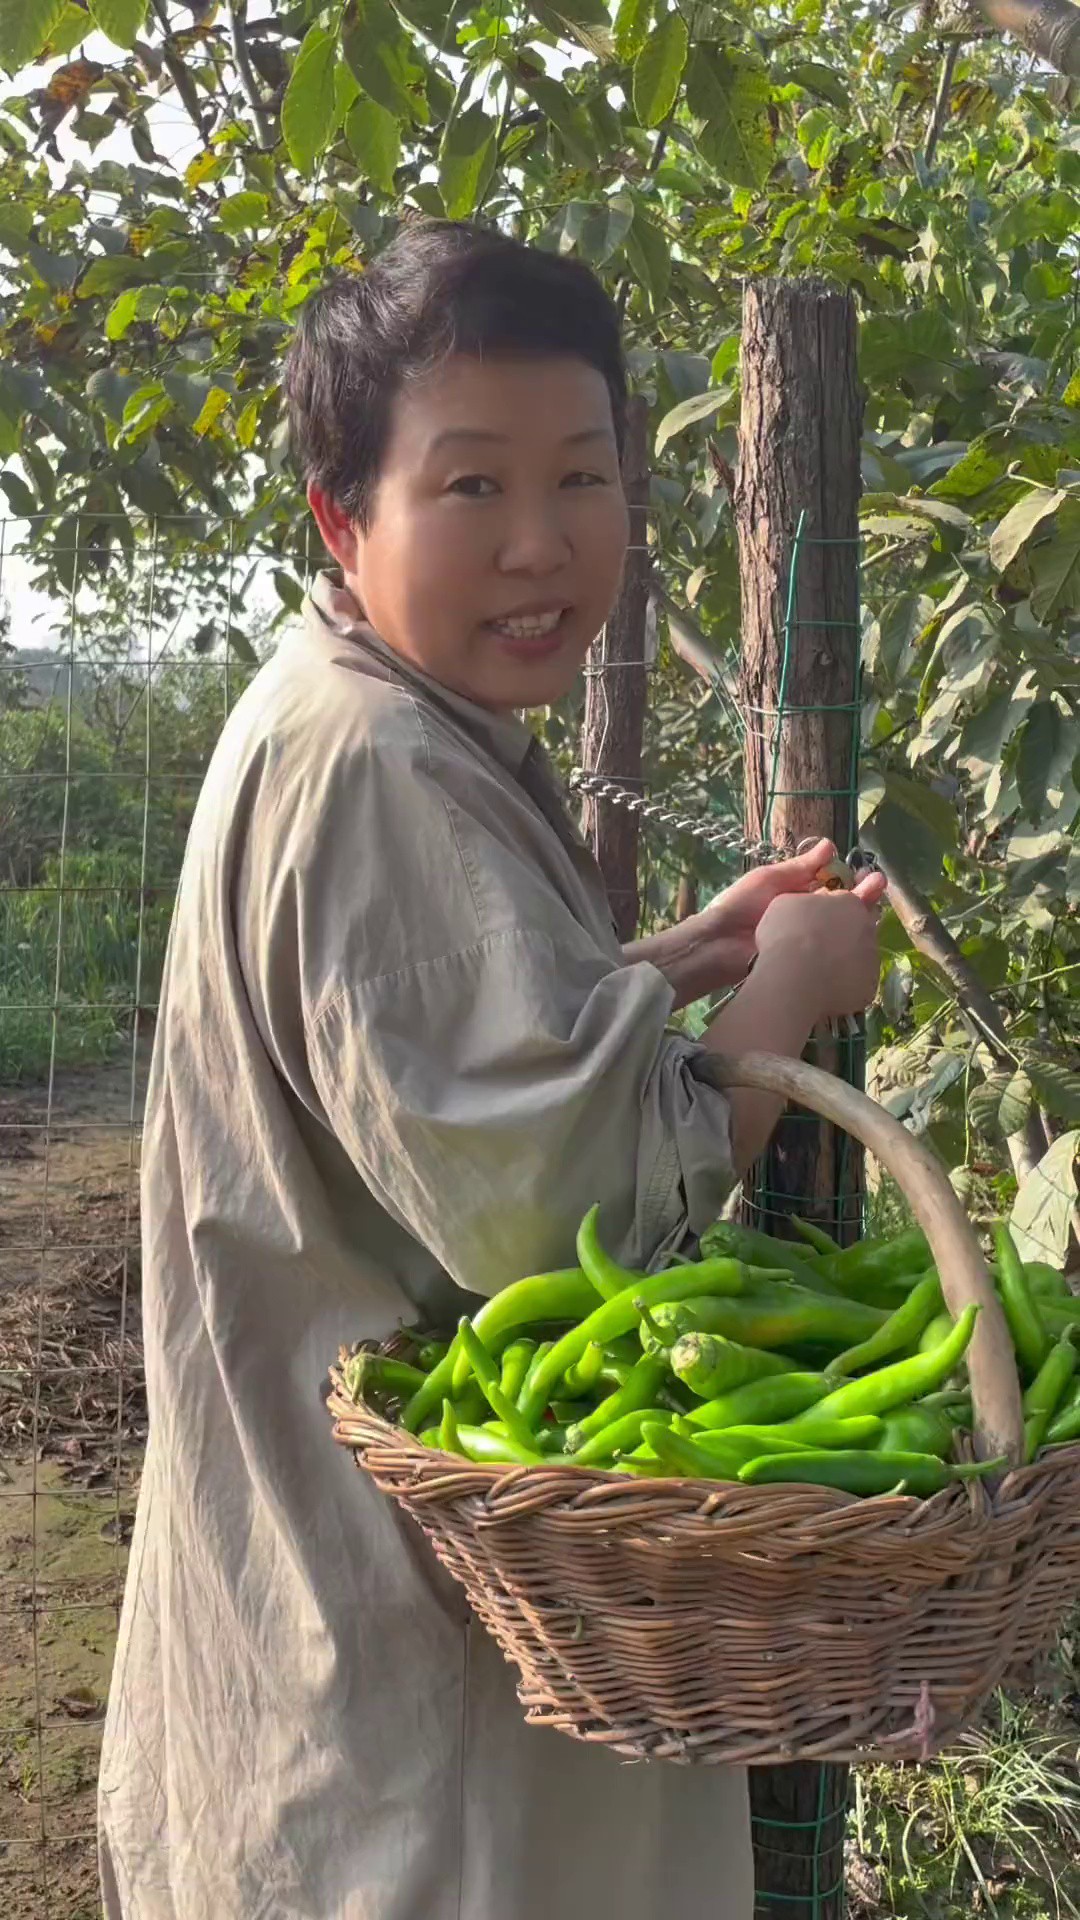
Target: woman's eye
475,486
585,480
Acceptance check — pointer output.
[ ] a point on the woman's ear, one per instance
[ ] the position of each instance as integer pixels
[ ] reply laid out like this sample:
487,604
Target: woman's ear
339,534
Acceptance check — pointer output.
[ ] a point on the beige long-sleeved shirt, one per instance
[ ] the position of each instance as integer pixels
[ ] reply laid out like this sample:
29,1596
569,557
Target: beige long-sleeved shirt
399,1054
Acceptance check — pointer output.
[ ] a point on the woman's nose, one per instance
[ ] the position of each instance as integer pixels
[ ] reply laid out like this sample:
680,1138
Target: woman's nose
536,542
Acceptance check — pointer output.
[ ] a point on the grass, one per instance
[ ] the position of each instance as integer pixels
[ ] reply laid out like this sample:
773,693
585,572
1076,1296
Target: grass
98,930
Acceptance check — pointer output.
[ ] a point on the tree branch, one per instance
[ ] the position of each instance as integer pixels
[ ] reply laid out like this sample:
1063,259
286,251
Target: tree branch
929,934
941,103
1050,28
246,73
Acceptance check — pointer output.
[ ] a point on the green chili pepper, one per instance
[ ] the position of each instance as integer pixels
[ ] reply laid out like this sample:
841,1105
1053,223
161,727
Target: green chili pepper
431,1353
863,1431
605,1274
1045,1281
901,1329
757,1249
639,1391
584,1374
866,1473
678,1455
449,1440
515,1365
710,1365
753,1440
536,1362
497,1449
761,1403
869,1262
566,1295
1030,1338
905,1380
1065,1424
935,1331
771,1316
815,1236
617,1316
620,1437
550,1296
487,1373
1046,1392
367,1373
920,1429
1057,1315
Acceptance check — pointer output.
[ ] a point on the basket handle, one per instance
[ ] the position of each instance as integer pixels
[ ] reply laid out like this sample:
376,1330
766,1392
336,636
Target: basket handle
995,1387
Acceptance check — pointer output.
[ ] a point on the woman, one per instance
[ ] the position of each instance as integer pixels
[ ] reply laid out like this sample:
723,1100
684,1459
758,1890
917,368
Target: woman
399,1054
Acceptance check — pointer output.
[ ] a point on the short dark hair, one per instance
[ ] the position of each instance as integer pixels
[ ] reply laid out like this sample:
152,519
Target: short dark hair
440,287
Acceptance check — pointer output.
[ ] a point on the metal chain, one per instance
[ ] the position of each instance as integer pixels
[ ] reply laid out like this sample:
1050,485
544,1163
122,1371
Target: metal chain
600,788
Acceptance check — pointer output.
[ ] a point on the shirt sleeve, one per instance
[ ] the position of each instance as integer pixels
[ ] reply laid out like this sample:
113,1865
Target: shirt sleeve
489,1096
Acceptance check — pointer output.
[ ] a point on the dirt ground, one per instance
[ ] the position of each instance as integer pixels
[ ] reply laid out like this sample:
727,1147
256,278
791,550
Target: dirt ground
71,1431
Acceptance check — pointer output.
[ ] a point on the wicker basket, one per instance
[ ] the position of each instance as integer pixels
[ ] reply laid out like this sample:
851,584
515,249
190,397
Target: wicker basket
687,1621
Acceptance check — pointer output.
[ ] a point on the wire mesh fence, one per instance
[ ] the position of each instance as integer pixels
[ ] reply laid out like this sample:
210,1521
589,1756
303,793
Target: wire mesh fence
112,695
113,692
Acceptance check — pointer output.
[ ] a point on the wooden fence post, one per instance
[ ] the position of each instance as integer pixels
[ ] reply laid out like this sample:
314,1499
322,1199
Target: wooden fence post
615,694
799,686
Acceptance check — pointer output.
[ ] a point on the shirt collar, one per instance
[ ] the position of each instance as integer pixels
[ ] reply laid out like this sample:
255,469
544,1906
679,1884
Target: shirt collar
331,605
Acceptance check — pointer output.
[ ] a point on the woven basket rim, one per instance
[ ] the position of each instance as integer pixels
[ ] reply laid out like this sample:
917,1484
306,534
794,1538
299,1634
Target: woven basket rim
971,1500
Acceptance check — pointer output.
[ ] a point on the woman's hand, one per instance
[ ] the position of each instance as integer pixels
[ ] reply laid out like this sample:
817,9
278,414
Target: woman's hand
713,949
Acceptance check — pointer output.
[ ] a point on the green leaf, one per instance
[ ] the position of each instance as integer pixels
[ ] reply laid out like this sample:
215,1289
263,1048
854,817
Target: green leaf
558,106
466,161
243,212
596,228
110,271
16,226
1016,1100
25,27
658,70
1058,1088
69,31
632,27
122,314
383,59
1055,567
19,497
374,137
307,111
1039,743
699,407
69,552
247,424
923,804
729,92
1042,1211
121,20
290,592
650,257
979,468
819,79
1012,534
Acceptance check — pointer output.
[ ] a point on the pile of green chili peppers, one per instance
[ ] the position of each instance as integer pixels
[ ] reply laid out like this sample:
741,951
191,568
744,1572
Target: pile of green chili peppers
763,1360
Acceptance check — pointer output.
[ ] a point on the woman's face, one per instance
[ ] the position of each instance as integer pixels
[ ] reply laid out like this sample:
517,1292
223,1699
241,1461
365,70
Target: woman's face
498,527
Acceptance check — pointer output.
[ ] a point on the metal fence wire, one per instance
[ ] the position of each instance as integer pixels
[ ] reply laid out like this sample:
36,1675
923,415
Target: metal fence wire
112,696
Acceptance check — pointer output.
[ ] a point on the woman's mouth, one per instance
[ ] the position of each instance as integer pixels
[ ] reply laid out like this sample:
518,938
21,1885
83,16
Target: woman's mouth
531,634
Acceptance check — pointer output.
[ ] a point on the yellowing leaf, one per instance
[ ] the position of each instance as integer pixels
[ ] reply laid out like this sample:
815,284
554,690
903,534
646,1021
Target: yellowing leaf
1042,1211
215,404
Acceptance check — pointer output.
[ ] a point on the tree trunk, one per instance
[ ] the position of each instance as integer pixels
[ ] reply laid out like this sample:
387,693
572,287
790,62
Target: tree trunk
1049,28
615,695
799,468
